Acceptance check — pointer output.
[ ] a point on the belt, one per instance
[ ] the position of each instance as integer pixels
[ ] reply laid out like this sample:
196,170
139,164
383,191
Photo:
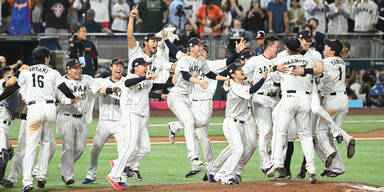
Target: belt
23,116
294,91
269,94
74,115
47,102
6,122
335,93
235,120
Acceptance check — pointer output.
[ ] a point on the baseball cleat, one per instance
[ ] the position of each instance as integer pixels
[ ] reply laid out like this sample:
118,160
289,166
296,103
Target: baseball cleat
192,173
238,177
325,172
172,135
68,182
205,178
231,181
211,178
302,173
137,175
329,160
116,185
111,163
7,183
272,171
87,181
339,138
284,175
312,178
333,174
351,148
27,188
128,172
41,183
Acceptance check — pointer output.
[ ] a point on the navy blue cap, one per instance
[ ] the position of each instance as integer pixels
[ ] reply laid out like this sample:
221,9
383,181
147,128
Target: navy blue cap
293,44
335,45
234,66
193,41
139,61
305,34
71,63
151,36
116,60
246,54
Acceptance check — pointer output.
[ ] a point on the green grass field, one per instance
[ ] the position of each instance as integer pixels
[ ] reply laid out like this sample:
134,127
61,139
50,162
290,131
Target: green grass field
167,164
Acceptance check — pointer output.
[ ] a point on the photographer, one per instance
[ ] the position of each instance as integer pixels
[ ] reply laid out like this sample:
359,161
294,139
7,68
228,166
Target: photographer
236,33
84,50
210,18
177,13
367,81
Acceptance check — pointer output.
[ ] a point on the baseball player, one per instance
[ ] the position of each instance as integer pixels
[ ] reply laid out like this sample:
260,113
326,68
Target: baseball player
41,83
179,98
110,117
71,121
294,105
265,98
236,113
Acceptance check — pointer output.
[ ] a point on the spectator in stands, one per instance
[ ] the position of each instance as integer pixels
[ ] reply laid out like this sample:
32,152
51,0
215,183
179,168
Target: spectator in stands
351,18
231,10
365,15
350,74
316,9
260,35
319,36
101,9
277,17
380,21
84,50
3,63
367,81
55,16
154,14
93,26
255,18
177,14
6,11
236,34
82,6
190,30
295,16
338,17
37,17
120,15
210,18
264,4
20,24
72,18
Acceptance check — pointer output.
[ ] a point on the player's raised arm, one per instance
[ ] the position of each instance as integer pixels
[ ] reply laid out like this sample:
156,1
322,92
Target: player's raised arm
130,37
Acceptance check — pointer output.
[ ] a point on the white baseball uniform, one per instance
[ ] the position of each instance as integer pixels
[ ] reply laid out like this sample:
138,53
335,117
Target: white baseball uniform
109,122
41,83
338,19
365,14
263,102
71,123
312,10
5,120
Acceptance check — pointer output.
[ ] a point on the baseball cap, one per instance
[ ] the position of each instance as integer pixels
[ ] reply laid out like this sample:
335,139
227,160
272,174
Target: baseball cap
193,41
234,66
260,35
139,61
116,60
205,47
151,36
71,63
335,45
293,44
246,54
304,34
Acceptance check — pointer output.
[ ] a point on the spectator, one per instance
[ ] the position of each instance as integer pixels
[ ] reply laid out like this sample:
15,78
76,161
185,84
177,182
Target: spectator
316,9
350,74
82,7
260,42
101,9
154,14
380,21
319,36
6,12
227,16
84,50
177,14
93,26
20,24
255,18
55,15
277,17
367,81
120,15
72,18
210,18
3,63
351,19
190,30
237,33
295,16
338,17
264,4
232,7
195,5
37,17
365,13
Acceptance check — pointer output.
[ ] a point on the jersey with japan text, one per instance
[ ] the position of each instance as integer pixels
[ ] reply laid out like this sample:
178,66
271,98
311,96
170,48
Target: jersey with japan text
109,104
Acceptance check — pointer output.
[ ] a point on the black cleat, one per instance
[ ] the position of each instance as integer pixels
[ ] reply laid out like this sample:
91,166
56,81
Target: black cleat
211,178
41,183
7,183
69,182
137,175
284,175
128,172
351,148
325,172
27,188
192,173
339,138
302,173
329,160
238,177
333,174
205,178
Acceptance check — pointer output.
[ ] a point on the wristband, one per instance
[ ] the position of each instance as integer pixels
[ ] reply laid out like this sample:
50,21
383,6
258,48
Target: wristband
308,70
17,74
109,90
274,68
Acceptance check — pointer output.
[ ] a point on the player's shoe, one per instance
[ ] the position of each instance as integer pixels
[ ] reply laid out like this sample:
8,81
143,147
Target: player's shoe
27,188
197,167
339,138
117,185
329,160
312,178
137,175
7,183
238,177
325,172
302,173
351,148
265,171
211,178
192,173
333,174
111,163
41,183
272,171
172,135
205,178
68,182
231,181
128,172
284,175
87,181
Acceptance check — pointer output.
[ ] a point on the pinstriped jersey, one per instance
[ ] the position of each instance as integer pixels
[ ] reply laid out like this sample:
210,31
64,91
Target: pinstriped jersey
238,101
365,14
82,87
109,104
333,79
192,66
136,97
310,54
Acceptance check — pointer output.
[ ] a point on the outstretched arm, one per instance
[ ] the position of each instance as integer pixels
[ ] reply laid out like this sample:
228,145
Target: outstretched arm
130,37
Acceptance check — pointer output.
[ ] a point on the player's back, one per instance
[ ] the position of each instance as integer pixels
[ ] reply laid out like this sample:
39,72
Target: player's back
41,83
333,79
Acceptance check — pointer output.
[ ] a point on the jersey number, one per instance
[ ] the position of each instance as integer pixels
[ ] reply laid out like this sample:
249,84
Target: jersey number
39,80
340,73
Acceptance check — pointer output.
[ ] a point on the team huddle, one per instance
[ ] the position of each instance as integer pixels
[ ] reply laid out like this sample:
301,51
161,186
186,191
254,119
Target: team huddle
288,93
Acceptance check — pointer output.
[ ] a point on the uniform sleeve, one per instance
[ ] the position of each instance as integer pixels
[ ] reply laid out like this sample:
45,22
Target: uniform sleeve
374,14
22,77
217,66
183,64
248,68
204,68
92,84
134,50
114,9
240,90
58,78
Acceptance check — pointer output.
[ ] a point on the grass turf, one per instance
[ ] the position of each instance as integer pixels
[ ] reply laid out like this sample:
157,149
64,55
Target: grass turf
158,125
167,164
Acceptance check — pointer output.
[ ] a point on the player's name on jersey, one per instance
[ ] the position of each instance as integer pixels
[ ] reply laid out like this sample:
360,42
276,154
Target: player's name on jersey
296,62
38,69
335,62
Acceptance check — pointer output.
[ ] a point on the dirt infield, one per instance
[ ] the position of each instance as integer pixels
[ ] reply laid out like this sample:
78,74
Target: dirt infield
270,186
